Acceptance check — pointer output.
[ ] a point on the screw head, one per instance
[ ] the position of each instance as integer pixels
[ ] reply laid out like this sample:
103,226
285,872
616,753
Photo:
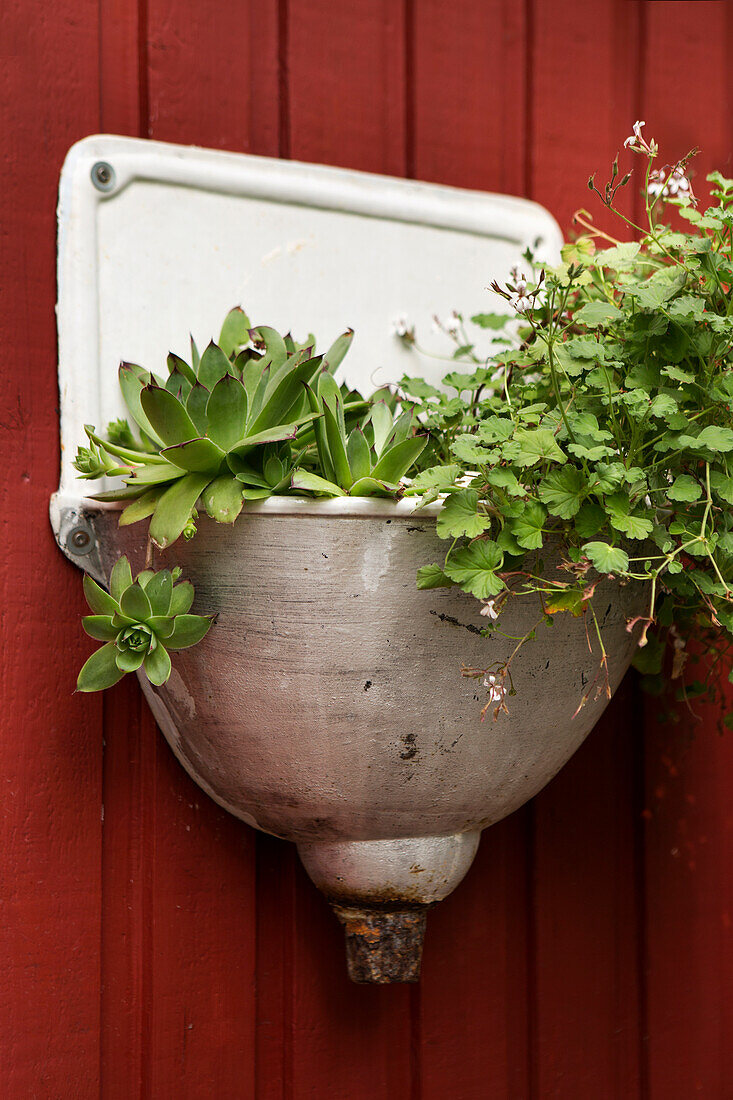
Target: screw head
103,176
80,540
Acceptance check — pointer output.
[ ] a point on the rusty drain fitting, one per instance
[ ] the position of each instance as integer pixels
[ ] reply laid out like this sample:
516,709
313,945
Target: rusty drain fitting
383,945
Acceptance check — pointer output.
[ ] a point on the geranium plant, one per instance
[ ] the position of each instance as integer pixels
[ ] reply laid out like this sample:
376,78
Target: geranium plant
605,431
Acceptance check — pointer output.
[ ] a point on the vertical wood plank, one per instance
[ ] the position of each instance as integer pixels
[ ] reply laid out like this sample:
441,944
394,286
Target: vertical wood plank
586,921
584,98
468,95
474,1002
179,873
689,767
689,901
50,739
123,76
212,73
346,84
344,104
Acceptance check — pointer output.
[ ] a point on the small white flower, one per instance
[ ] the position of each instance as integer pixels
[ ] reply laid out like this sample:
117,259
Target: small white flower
496,689
638,143
670,185
636,138
489,610
450,326
399,326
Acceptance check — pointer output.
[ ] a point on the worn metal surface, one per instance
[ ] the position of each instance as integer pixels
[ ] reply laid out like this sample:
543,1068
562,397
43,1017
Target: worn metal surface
383,946
328,706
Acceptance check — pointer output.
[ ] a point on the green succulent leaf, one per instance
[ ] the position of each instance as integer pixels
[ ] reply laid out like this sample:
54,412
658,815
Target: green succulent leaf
397,460
336,353
100,602
159,590
135,604
167,415
304,480
120,578
129,660
133,380
275,346
144,477
382,423
162,625
337,445
226,412
196,404
189,630
181,598
223,499
235,331
142,507
174,508
197,456
99,627
176,365
213,366
285,402
100,671
358,454
371,487
157,664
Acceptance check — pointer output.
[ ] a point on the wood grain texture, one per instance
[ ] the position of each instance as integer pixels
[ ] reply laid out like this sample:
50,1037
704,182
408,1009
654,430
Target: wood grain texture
50,739
586,918
344,103
467,125
167,950
469,91
585,1030
689,767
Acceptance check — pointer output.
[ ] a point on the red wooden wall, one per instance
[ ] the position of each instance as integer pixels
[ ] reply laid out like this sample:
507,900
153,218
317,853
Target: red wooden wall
151,946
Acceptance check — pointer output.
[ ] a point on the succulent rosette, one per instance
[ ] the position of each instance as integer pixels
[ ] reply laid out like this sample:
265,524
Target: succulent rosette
218,429
139,620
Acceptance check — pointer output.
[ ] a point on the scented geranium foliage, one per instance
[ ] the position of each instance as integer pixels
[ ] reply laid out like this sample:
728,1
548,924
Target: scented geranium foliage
605,430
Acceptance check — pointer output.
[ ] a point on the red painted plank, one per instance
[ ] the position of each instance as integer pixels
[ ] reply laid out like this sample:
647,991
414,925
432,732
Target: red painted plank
179,915
584,96
469,94
586,918
474,993
584,99
50,740
689,902
344,105
212,73
689,767
346,84
691,41
123,83
469,128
